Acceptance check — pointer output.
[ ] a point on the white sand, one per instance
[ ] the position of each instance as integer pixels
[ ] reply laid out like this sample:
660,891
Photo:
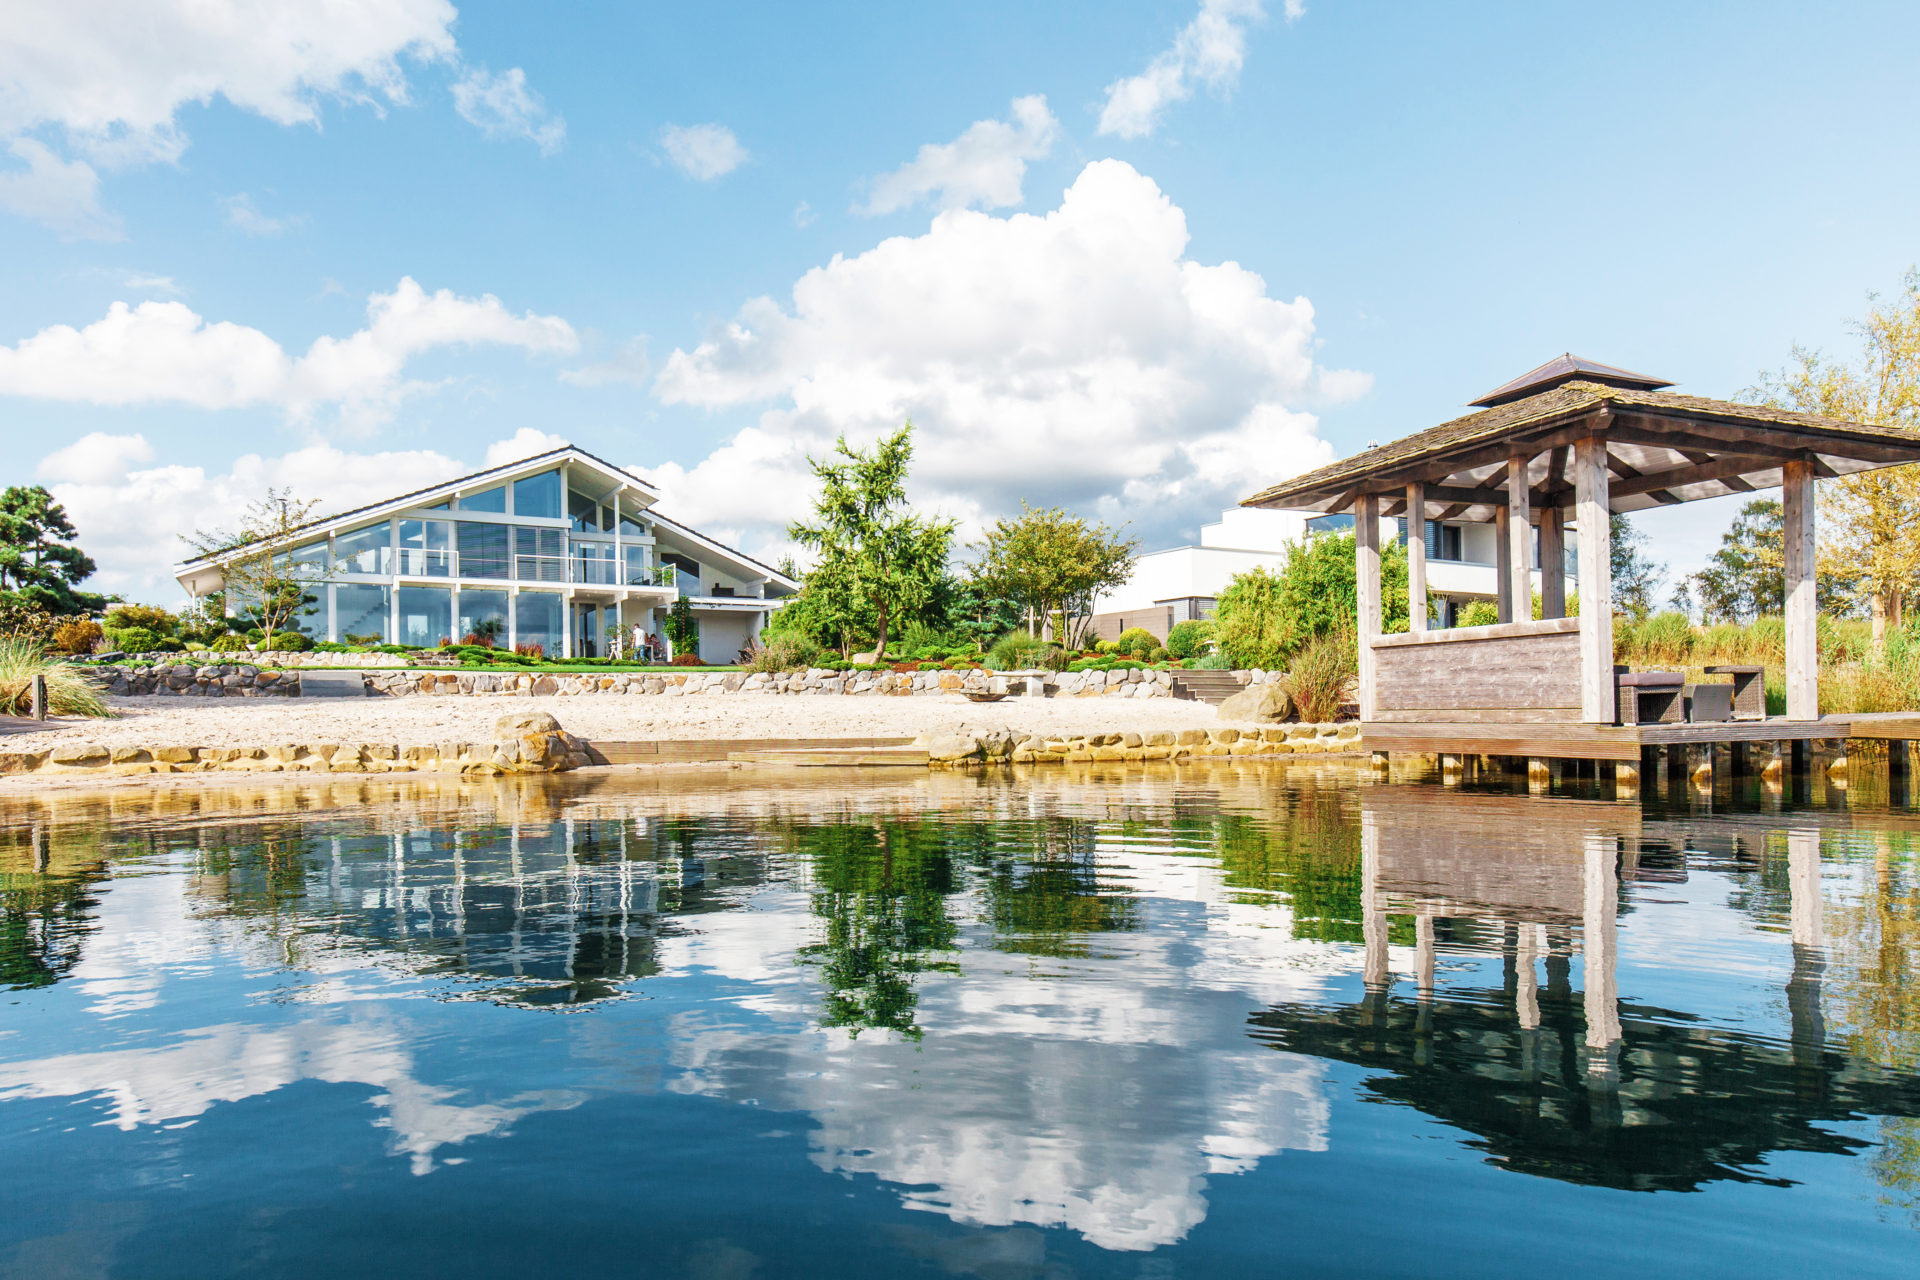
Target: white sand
254,722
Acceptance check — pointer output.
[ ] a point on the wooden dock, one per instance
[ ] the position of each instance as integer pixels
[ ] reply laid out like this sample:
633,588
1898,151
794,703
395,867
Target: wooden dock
1626,744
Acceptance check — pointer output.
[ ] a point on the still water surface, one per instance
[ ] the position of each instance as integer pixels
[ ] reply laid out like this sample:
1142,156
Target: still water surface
1217,1023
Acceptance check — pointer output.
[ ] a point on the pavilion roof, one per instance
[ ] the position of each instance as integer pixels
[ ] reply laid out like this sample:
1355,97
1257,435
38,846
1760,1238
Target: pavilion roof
1662,449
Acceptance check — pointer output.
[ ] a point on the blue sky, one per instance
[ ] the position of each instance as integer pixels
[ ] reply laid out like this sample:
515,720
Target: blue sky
701,240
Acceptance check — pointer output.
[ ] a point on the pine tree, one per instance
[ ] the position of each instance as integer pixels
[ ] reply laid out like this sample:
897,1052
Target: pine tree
39,565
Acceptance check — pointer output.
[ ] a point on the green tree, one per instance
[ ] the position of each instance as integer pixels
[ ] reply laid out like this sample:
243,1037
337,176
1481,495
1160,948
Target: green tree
1635,577
1265,617
978,612
40,568
682,631
1054,564
1747,578
875,558
260,572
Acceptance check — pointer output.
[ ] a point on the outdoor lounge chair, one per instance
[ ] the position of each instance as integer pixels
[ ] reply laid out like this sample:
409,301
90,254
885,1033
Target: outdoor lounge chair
1649,697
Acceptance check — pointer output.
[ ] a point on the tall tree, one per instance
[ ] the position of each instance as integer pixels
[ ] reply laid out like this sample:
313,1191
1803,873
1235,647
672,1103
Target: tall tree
40,568
1054,563
1872,519
1747,576
263,577
1265,617
1635,577
875,557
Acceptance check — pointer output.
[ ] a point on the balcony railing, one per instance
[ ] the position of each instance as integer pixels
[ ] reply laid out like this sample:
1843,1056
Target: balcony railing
540,568
418,562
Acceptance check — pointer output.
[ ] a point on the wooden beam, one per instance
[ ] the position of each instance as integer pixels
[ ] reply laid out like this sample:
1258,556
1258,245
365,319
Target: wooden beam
1520,539
1366,544
1452,511
1553,563
1717,469
1416,517
1698,433
1803,641
1502,564
1591,482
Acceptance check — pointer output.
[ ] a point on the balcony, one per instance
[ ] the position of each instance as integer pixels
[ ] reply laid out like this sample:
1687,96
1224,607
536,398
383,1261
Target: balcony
417,562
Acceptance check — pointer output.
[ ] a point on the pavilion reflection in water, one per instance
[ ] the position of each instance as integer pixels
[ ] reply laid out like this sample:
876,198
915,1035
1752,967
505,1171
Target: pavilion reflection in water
1578,1086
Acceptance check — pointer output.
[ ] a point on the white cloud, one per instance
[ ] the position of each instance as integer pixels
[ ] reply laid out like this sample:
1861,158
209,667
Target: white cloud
527,442
147,282
983,167
803,214
629,363
158,352
1211,48
503,107
703,151
96,458
1076,357
244,215
62,194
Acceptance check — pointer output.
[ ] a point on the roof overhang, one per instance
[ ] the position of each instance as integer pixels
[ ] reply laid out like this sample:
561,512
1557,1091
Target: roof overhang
1662,449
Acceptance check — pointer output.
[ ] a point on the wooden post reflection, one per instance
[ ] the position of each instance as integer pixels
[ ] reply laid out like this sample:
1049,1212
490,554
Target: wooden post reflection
1599,935
1373,916
1809,947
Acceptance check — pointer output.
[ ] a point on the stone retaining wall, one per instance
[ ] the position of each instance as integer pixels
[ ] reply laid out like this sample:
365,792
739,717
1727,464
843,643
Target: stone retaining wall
962,748
252,680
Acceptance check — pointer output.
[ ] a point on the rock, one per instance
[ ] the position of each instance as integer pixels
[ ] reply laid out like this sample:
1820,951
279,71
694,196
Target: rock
1258,704
80,754
953,747
525,722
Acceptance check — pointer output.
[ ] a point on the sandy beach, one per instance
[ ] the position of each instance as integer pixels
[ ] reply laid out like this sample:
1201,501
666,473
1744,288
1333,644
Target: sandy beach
245,722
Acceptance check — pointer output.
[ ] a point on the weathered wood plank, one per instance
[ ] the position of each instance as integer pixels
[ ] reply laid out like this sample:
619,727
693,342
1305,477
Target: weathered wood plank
1497,631
1522,673
1553,562
1520,540
1803,679
1366,542
1590,478
1417,557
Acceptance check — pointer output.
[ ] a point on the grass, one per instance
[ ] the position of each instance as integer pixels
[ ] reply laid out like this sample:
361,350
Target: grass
1854,680
69,691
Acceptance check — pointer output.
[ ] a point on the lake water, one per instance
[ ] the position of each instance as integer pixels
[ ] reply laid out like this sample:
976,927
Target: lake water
1219,1022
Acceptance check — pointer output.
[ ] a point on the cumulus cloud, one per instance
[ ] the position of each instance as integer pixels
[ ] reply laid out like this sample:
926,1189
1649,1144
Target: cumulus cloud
149,282
164,352
107,80
61,194
95,458
629,363
1210,49
244,216
983,167
527,442
501,106
703,151
1074,357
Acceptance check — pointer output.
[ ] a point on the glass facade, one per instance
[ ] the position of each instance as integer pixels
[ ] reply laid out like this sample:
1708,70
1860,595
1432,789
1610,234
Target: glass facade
426,548
538,496
483,615
368,550
485,549
583,513
539,555
426,616
361,611
494,499
538,619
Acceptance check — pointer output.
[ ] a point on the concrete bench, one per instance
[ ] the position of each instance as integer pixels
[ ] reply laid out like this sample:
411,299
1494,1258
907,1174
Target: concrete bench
1649,697
1749,690
332,684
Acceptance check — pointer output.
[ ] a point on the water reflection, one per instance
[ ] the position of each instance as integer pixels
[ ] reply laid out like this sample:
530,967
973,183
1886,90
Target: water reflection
1078,1003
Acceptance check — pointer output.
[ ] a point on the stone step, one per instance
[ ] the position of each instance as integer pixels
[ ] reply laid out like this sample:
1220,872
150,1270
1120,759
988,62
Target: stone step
843,757
332,684
1213,687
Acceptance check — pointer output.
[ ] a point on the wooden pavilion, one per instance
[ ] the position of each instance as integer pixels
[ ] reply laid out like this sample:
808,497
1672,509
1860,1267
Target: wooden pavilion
1569,443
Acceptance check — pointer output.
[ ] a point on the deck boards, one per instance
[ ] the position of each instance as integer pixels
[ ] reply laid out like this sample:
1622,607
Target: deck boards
1623,742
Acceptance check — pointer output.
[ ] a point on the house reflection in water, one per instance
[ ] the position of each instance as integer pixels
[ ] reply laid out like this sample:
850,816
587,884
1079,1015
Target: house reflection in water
1576,1086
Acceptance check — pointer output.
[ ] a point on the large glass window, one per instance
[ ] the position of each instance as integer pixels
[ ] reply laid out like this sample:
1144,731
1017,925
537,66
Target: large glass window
539,555
593,563
426,616
537,622
368,550
483,617
538,496
494,499
361,611
583,513
426,548
311,559
485,549
628,524
639,566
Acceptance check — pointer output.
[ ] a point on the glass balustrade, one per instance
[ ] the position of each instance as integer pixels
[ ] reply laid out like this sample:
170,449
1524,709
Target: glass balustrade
428,562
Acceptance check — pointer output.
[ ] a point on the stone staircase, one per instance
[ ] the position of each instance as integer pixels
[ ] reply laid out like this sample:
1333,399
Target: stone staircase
1213,687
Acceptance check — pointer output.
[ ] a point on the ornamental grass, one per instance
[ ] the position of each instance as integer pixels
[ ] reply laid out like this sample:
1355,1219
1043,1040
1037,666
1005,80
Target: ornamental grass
69,691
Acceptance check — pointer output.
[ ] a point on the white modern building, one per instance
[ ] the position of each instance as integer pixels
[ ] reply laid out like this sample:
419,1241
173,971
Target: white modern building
562,550
1182,583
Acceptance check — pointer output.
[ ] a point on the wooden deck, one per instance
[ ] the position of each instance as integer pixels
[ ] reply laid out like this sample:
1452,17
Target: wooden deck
1572,741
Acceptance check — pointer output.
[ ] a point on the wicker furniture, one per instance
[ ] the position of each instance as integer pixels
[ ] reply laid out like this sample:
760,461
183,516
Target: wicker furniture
1749,690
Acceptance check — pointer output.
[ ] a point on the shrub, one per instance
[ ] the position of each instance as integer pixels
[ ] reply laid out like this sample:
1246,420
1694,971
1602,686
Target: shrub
69,692
134,640
1480,613
291,642
26,622
1104,647
1215,661
229,643
1015,651
1189,639
1137,641
535,651
1053,658
77,635
783,653
152,617
1159,655
686,660
1320,674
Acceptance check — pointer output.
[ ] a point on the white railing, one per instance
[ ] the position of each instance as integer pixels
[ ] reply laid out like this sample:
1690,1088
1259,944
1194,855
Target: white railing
540,568
596,573
418,562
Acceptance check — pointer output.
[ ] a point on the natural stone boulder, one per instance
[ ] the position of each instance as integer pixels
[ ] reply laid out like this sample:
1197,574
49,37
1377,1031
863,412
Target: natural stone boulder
1258,704
953,748
534,742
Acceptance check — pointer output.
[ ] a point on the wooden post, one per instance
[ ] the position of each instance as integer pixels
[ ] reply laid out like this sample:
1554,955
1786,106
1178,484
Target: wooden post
39,697
1591,482
1366,541
1417,557
1553,562
1803,642
1502,566
1519,539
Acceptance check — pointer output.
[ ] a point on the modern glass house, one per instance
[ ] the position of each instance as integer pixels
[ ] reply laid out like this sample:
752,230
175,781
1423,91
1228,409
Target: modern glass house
561,550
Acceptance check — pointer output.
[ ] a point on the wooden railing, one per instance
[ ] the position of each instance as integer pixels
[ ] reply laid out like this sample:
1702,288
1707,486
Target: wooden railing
1516,672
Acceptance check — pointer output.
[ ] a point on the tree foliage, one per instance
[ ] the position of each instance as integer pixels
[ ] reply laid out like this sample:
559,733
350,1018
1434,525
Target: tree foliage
256,560
1872,520
1055,564
1635,577
878,563
682,631
40,568
1746,578
1264,617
